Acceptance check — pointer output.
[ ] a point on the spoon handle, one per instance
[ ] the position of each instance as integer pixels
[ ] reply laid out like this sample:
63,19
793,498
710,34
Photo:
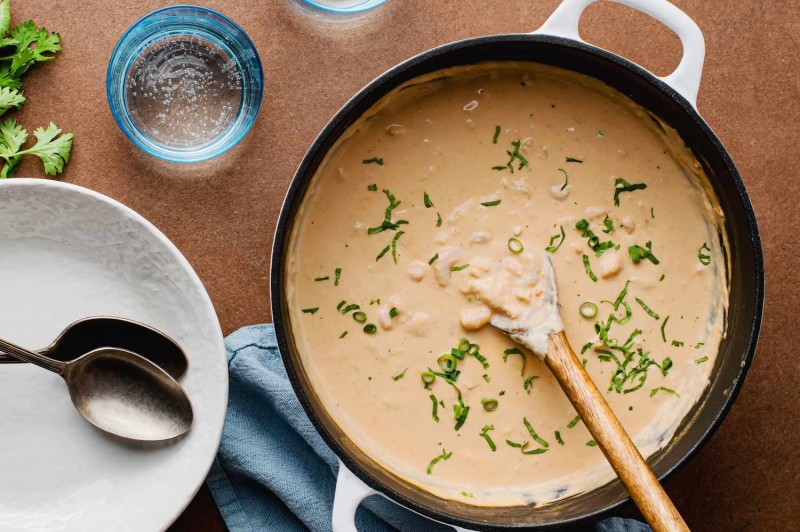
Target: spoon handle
23,354
633,471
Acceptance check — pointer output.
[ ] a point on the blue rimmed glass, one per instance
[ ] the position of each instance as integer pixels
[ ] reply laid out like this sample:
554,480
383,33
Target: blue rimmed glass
337,7
206,25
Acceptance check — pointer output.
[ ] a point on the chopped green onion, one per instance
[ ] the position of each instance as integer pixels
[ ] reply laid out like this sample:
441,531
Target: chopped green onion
609,223
535,436
360,316
484,434
528,385
699,345
652,214
458,353
574,422
662,388
638,253
574,160
435,414
491,203
498,167
433,259
372,187
348,308
647,309
566,178
438,220
382,253
588,309
558,438
427,200
701,360
515,245
489,404
428,377
550,248
487,378
662,278
343,335
515,351
480,358
462,418
337,275
370,328
515,445
458,268
447,363
398,377
394,245
473,349
339,306
465,494
586,347
591,443
663,326
310,310
496,135
588,268
626,187
676,343
373,160
463,345
387,217
533,451
705,260
444,456
393,312
318,279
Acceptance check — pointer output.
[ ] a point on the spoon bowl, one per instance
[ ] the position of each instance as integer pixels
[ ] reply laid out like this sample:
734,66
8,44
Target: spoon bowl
125,394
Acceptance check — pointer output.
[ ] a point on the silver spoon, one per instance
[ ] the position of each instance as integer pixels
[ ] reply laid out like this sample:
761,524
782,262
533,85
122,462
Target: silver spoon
92,333
120,392
542,331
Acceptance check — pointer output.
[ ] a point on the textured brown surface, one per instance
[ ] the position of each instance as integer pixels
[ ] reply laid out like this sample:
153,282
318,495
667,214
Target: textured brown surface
221,214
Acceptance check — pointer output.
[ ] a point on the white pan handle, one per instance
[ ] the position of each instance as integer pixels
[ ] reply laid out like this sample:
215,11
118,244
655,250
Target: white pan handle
686,78
350,491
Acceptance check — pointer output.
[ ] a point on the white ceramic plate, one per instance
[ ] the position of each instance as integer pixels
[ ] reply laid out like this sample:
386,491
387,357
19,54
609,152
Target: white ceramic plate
65,253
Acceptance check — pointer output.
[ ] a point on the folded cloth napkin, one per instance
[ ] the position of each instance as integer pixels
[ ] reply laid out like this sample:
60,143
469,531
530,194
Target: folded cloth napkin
275,473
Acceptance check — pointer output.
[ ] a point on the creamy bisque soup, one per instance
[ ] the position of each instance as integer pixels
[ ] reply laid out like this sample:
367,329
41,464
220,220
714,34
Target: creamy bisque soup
466,177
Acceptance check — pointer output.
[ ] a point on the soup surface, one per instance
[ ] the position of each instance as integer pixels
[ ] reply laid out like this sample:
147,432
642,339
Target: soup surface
438,200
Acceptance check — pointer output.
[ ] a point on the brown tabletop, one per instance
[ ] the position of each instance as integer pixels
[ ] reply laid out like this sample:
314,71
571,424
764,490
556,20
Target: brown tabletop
221,213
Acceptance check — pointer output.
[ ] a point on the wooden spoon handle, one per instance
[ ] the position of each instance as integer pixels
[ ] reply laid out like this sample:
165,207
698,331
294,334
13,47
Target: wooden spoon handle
633,471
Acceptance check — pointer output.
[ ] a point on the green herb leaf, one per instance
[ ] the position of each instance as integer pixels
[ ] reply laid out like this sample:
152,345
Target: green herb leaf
31,44
626,187
663,326
591,443
337,275
484,434
701,360
382,253
427,200
350,307
705,260
528,385
50,148
588,268
491,203
387,217
379,162
393,312
394,245
574,160
310,310
647,309
558,438
609,223
676,343
372,188
638,253
496,135
318,279
458,268
9,98
444,456
664,389
533,434
566,178
398,377
343,335
433,259
515,351
5,17
438,220
550,248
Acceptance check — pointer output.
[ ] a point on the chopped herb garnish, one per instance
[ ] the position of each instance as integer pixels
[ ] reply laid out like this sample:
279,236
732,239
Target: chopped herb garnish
350,307
515,445
370,328
339,306
699,345
428,377
444,456
515,351
574,160
387,217
433,259
502,392
375,160
496,134
591,443
586,347
394,245
705,260
382,253
647,309
676,343
535,436
398,377
487,378
465,494
462,417
458,268
626,187
310,310
663,326
566,178
499,168
600,133
438,220
638,253
662,388
359,316
447,362
609,223
588,268
343,334
484,434
594,241
701,360
337,275
533,451
550,248
427,200
588,310
558,438
372,187
662,278
318,279
489,404
393,312
574,422
515,155
515,246
652,214
528,385
491,203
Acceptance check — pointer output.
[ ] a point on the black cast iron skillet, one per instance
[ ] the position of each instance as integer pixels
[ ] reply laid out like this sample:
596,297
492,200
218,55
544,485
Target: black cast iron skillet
746,266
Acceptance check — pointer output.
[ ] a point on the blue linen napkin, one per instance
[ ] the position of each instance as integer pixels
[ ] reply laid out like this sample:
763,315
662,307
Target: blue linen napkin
275,473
